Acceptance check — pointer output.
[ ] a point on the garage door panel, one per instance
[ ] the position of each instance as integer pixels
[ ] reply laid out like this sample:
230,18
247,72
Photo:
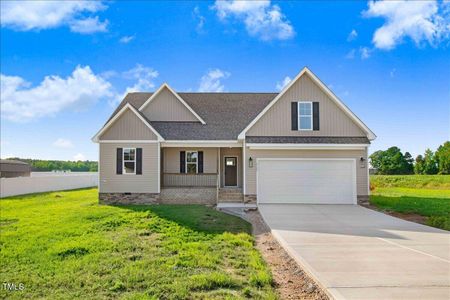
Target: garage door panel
306,181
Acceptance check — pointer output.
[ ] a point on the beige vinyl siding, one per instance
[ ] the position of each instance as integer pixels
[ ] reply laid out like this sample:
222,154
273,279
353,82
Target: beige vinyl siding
171,159
128,127
231,152
277,120
110,182
166,107
361,173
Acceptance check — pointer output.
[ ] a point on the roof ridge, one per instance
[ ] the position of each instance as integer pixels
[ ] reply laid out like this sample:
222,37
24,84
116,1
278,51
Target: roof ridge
228,92
218,93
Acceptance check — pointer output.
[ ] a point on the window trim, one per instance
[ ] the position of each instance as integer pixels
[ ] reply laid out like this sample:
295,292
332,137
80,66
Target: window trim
299,116
186,163
128,160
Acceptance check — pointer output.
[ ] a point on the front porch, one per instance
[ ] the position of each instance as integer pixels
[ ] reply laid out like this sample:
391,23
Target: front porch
204,175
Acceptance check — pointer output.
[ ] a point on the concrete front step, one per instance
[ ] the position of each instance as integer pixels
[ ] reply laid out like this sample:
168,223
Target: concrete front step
231,197
236,205
230,201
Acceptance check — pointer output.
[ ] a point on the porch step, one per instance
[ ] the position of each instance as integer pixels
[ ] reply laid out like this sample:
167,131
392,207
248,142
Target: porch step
230,190
230,195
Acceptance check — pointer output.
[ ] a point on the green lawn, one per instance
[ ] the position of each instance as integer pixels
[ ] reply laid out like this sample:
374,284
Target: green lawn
64,245
441,182
426,195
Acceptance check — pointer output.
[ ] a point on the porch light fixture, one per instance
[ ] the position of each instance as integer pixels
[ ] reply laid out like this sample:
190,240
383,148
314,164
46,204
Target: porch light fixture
250,162
361,162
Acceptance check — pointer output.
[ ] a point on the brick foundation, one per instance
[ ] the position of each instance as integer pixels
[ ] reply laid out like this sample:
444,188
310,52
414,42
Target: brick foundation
188,195
250,199
128,198
363,199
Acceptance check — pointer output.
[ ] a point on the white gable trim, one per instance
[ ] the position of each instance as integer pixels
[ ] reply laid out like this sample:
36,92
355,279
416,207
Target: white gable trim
370,135
116,117
165,85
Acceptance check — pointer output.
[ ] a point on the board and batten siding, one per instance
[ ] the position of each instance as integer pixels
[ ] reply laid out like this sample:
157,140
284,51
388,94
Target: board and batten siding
171,159
277,120
110,182
128,127
166,107
361,173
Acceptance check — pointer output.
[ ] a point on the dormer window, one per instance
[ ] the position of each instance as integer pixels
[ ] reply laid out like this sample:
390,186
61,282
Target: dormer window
305,116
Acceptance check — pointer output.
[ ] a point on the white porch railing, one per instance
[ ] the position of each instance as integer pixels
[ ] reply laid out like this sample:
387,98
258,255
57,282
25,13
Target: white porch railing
189,180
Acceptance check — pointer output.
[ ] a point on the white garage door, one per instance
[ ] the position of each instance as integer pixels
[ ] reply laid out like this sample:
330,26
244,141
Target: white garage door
312,181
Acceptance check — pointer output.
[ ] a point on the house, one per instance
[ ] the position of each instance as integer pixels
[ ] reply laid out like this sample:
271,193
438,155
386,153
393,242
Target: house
14,168
302,145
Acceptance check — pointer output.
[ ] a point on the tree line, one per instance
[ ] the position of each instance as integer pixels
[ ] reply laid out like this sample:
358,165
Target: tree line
41,165
393,162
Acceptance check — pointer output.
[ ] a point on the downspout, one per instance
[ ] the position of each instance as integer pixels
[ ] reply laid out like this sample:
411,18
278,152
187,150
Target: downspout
218,176
244,166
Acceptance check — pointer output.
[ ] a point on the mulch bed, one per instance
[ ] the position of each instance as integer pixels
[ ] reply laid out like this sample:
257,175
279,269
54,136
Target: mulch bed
290,280
405,216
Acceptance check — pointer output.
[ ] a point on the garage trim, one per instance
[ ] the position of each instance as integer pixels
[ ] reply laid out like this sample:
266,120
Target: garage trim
353,160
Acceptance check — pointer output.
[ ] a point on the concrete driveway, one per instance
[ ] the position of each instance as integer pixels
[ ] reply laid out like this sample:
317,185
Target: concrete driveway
357,253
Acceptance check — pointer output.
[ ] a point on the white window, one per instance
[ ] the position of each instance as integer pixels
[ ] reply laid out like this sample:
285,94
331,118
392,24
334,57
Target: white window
129,161
305,117
191,162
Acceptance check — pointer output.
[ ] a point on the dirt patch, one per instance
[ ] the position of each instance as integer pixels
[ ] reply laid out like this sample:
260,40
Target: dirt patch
290,280
405,216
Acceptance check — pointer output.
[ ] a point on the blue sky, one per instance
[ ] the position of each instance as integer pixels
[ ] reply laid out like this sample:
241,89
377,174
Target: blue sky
66,65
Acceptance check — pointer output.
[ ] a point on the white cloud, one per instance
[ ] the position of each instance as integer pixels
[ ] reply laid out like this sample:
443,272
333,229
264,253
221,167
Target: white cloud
89,25
352,35
126,39
364,52
79,157
144,81
261,18
145,78
351,54
63,143
200,20
211,81
21,102
285,82
422,21
36,15
108,74
392,73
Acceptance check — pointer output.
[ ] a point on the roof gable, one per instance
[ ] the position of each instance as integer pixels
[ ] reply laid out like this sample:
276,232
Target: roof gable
226,114
127,117
325,90
168,111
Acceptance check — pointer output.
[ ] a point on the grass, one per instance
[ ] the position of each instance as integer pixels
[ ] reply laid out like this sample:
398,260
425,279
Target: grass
64,245
441,182
425,195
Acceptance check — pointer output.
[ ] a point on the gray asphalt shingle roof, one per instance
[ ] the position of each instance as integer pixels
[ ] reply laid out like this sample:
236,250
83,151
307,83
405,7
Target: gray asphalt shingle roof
225,114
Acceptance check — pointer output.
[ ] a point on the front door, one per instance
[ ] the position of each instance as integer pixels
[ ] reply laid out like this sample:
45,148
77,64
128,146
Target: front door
230,171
